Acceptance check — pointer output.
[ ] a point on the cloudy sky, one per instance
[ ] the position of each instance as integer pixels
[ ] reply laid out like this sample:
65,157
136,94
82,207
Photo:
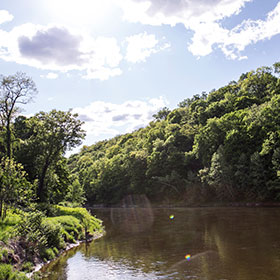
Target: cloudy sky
117,62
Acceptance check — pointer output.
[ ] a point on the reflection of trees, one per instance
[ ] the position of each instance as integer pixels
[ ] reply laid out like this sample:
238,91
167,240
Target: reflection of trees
229,243
244,239
56,270
157,248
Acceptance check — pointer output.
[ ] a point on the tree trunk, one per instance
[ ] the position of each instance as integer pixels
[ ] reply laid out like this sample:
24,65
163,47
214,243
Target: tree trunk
8,139
1,208
41,186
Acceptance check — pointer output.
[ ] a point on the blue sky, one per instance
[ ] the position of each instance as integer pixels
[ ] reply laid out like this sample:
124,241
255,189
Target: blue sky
117,62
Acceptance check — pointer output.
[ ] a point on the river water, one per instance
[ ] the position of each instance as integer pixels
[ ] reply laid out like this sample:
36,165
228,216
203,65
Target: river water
176,244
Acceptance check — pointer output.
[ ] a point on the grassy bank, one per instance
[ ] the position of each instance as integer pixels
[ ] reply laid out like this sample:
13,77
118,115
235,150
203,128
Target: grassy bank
31,238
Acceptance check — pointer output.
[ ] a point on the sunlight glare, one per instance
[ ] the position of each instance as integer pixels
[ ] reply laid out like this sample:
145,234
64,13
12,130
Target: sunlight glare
80,12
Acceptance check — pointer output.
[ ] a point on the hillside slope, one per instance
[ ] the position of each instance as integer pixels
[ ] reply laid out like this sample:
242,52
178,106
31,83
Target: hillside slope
220,146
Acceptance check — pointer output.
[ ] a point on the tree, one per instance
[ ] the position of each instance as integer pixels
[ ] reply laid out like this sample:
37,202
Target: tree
220,175
276,67
162,114
14,188
53,134
76,193
15,89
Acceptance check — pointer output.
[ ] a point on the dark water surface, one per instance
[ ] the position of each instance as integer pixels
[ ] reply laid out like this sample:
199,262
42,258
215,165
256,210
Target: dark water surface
150,244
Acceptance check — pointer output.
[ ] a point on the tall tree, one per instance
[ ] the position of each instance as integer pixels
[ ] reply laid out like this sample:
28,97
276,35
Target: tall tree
53,134
14,89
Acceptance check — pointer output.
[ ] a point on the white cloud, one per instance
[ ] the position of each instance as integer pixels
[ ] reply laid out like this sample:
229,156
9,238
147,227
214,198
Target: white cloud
103,118
188,12
141,46
204,17
250,32
51,76
5,16
102,73
57,48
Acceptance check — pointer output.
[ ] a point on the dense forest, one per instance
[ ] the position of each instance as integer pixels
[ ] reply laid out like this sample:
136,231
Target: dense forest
221,146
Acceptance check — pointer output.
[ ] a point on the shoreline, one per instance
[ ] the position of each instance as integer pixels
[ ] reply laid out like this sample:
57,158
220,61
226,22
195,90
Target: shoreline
68,247
182,205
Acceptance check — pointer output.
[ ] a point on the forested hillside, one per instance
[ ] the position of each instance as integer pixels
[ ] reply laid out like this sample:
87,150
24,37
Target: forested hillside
220,146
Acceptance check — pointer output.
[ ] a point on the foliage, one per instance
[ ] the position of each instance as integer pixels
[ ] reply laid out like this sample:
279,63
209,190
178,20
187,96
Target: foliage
223,145
76,193
7,225
34,175
45,139
93,224
15,190
31,235
70,228
43,237
7,273
16,89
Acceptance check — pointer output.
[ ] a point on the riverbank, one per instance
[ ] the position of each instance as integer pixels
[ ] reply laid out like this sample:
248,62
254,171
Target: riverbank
189,205
69,246
218,204
35,239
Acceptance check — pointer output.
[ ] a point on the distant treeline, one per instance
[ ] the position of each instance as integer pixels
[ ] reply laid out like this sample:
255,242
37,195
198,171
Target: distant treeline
220,146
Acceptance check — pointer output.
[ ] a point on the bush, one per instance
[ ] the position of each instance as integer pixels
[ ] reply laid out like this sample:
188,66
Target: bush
7,225
55,250
3,255
7,273
48,254
50,210
31,235
71,228
27,266
86,219
53,233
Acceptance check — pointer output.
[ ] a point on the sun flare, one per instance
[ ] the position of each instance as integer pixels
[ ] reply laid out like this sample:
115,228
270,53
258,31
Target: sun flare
80,12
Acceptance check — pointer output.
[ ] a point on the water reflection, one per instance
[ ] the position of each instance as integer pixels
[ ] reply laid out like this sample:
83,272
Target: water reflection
223,243
136,214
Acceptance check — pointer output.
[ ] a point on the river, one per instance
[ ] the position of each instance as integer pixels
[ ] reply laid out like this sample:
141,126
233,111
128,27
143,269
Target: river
176,244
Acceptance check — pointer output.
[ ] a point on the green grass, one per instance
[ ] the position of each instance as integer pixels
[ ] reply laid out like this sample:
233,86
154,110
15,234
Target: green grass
93,224
7,225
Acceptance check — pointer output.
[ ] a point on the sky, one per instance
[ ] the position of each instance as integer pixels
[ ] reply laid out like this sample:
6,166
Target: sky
118,62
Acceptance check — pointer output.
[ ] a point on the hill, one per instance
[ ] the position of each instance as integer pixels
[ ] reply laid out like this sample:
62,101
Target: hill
220,146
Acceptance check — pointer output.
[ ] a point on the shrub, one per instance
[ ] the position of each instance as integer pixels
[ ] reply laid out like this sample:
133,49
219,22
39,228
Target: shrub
3,254
55,250
49,209
53,233
86,219
7,225
71,227
32,237
27,266
7,273
48,254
